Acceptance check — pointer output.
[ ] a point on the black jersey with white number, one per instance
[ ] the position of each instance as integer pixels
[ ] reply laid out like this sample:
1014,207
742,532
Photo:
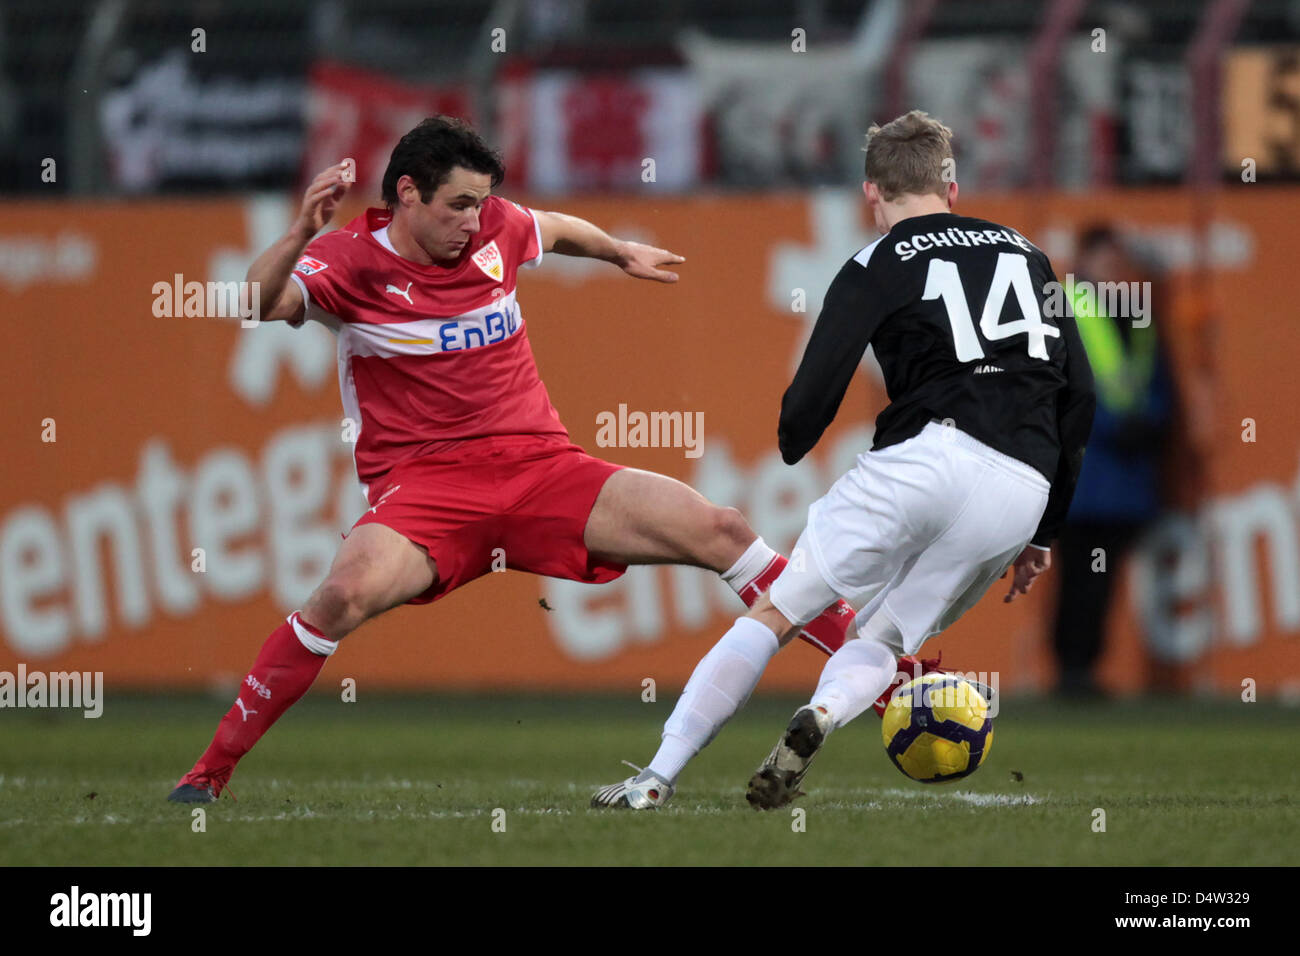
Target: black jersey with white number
966,330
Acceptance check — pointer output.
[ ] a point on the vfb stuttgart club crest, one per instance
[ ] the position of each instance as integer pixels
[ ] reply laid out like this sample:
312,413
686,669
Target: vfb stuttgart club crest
489,260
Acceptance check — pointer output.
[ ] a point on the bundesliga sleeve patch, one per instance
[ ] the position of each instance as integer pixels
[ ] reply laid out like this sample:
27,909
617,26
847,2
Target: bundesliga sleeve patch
308,266
489,260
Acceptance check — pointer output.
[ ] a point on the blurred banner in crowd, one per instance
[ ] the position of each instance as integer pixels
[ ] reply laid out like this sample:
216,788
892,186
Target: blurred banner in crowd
596,130
181,121
989,109
171,107
180,484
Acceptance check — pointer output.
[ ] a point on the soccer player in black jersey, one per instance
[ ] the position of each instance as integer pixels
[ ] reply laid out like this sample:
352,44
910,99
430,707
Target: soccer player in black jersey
971,472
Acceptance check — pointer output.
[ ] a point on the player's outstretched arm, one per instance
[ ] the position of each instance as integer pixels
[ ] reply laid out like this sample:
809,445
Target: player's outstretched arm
278,297
571,236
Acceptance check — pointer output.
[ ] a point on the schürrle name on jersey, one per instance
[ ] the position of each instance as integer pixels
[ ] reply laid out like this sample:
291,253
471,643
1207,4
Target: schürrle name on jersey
928,241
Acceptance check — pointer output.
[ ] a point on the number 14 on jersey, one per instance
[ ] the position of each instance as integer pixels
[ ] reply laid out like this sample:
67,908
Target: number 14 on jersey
1010,275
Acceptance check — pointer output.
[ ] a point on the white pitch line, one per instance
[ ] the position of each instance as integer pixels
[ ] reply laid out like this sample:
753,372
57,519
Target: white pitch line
969,796
303,813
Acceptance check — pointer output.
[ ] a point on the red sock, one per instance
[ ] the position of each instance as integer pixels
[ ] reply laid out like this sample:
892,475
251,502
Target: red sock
283,671
826,632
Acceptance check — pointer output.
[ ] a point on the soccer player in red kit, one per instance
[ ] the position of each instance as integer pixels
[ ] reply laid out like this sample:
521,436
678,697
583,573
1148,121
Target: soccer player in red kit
459,450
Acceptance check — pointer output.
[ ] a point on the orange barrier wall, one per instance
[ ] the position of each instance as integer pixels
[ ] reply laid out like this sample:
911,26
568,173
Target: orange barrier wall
176,433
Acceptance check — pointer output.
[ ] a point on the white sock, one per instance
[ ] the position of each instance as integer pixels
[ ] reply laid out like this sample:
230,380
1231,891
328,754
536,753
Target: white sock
853,678
749,565
719,686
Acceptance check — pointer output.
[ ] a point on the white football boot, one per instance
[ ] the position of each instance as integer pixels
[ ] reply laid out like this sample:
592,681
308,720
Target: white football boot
776,782
645,791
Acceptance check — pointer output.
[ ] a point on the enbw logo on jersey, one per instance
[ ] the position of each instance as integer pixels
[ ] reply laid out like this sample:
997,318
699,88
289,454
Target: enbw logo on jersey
497,326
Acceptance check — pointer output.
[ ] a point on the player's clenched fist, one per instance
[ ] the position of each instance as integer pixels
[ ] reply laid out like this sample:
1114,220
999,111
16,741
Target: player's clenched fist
1031,563
324,195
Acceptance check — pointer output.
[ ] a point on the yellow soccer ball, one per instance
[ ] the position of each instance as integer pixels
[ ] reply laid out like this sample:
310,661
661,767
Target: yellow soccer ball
937,728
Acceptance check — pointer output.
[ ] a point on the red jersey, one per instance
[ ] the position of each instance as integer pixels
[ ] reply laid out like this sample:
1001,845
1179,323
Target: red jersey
432,357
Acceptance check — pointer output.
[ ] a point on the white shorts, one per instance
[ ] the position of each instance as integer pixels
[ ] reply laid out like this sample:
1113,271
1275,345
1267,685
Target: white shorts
913,536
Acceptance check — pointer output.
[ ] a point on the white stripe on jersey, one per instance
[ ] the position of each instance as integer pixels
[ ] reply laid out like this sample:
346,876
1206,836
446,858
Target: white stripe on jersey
486,325
311,311
864,254
351,407
537,231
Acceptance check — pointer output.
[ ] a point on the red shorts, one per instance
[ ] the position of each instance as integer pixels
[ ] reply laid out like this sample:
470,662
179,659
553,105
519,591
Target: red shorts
531,502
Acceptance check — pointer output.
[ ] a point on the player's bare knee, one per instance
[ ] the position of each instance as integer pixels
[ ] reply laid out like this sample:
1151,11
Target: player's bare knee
338,607
732,526
729,535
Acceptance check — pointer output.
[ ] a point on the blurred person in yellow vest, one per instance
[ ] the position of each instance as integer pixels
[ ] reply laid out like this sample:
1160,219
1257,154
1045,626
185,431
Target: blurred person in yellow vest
1123,316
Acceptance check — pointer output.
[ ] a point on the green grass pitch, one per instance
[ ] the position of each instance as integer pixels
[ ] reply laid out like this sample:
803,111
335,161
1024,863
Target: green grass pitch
416,781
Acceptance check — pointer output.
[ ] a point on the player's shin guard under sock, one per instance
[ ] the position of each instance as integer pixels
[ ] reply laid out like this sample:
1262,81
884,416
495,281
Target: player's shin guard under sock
286,666
719,686
754,572
853,678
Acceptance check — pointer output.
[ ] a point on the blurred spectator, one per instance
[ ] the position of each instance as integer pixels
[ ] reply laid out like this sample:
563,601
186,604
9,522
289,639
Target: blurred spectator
1121,489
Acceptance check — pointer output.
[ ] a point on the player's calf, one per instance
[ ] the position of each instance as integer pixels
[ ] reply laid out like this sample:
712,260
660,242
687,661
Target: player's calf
374,570
286,666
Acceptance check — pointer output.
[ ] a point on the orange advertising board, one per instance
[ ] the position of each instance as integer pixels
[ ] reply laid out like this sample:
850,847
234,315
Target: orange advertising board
177,485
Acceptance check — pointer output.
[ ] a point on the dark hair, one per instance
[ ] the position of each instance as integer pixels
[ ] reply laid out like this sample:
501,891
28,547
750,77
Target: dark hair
429,152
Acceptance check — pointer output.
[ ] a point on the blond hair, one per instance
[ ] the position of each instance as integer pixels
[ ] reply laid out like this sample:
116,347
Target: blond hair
910,155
